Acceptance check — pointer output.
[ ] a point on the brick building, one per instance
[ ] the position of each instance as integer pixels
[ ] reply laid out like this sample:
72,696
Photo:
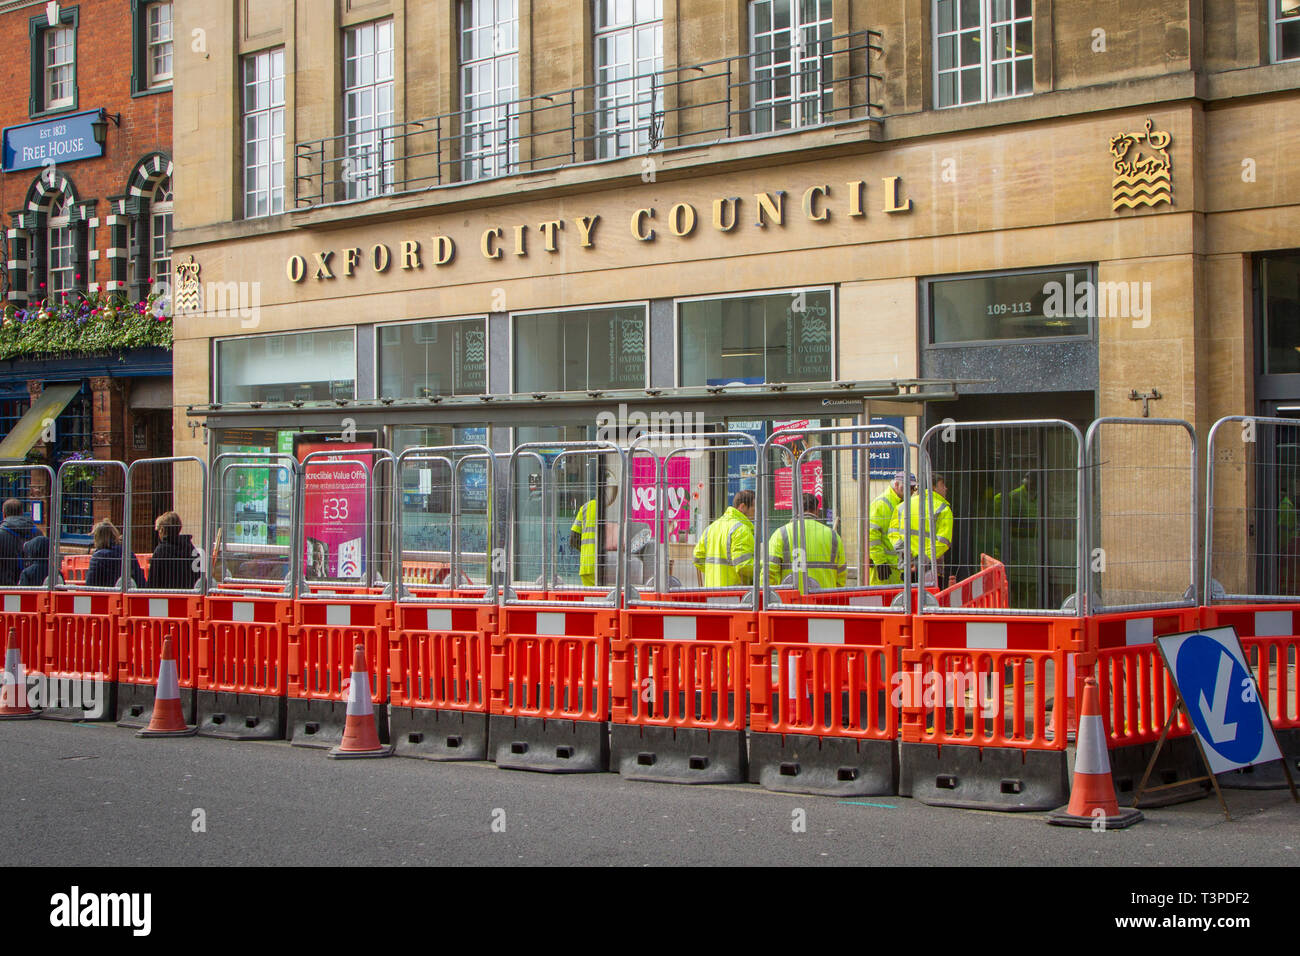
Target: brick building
86,197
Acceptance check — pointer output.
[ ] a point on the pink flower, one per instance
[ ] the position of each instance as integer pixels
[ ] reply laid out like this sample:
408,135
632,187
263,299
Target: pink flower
42,285
78,275
151,280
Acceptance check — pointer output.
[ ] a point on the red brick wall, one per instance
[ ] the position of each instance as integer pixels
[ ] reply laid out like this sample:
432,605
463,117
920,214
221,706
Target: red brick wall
104,61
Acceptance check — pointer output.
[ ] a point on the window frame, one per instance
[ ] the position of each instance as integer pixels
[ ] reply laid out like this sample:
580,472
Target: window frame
632,303
156,211
1275,23
153,46
607,138
39,28
832,288
797,97
270,112
377,135
61,223
496,158
986,63
924,304
215,356
487,345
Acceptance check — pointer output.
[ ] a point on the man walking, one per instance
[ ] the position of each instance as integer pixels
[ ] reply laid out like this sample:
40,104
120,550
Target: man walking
725,554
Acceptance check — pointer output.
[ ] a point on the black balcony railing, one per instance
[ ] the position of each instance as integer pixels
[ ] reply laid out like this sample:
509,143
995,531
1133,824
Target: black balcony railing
773,91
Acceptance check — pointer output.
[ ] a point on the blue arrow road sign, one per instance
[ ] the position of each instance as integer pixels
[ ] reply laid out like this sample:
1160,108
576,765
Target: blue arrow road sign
1221,696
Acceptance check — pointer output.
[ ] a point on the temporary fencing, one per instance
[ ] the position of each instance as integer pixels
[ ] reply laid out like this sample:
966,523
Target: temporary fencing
583,629
439,646
549,661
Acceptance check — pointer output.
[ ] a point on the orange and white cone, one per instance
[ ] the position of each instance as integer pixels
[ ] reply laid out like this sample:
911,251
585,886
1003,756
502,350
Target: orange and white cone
13,692
360,737
1092,795
168,719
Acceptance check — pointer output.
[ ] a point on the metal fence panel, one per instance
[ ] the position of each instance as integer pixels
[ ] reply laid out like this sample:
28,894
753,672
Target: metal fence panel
253,505
1142,511
166,521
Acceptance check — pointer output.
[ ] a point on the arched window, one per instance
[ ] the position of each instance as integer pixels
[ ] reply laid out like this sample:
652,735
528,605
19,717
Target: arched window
160,233
59,246
145,236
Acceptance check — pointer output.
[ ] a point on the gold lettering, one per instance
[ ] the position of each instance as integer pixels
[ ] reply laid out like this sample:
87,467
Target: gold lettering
323,265
548,232
296,268
681,219
810,197
855,198
410,254
640,233
521,247
487,243
728,223
446,250
350,259
587,224
769,207
892,203
379,255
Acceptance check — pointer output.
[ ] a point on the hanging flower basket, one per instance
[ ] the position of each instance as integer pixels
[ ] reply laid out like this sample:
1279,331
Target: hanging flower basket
78,324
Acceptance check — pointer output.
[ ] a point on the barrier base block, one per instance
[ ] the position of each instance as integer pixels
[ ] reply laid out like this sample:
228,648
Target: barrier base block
187,732
240,716
834,766
1179,760
135,704
679,754
1268,776
549,745
78,700
320,723
438,734
983,778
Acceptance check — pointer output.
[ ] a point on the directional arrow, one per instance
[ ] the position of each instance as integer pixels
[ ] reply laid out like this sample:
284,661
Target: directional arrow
1220,731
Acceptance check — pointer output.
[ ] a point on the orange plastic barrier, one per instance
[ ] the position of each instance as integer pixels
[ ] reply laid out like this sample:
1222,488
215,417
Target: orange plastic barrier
25,612
321,650
438,674
679,682
242,666
549,687
1271,638
80,658
146,621
987,587
74,566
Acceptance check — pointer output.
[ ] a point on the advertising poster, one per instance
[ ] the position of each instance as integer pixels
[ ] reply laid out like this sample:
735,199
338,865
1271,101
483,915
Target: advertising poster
334,514
811,479
674,518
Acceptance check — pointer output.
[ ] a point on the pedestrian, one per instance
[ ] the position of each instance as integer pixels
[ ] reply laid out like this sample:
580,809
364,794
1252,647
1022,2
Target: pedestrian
105,570
724,555
15,531
36,563
885,568
172,567
586,526
910,534
824,555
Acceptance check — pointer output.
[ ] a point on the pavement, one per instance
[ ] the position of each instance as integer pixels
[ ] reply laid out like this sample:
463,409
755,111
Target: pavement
93,794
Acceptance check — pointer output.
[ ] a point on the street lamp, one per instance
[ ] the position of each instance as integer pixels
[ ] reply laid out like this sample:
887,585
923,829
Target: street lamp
99,126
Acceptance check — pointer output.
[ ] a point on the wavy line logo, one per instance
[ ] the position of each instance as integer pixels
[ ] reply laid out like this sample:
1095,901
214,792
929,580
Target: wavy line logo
1143,173
814,330
633,334
475,350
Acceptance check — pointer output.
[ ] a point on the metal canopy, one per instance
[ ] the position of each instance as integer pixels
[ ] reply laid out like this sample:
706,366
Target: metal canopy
808,399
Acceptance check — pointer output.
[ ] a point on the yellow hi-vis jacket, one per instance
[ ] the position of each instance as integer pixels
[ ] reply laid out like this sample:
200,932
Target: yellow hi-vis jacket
920,536
823,551
884,560
725,555
586,525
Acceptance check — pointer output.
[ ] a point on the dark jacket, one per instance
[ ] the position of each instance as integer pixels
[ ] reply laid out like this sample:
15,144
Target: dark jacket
106,567
36,562
172,566
15,531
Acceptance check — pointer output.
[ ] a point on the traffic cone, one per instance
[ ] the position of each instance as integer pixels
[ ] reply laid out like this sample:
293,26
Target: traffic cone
13,692
360,738
168,720
1092,795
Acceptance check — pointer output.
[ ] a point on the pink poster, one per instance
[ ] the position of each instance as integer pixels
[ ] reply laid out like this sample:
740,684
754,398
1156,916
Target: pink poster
334,516
810,477
645,495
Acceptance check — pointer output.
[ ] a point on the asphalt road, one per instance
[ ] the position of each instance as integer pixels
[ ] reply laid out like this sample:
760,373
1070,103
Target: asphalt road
90,795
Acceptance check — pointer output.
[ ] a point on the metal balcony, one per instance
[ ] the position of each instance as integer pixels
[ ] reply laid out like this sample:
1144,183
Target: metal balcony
781,90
